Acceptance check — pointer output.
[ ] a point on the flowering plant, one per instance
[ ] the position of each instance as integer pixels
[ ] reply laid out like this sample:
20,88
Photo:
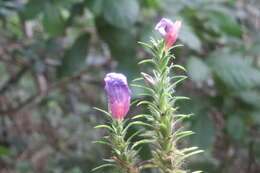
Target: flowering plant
163,119
124,156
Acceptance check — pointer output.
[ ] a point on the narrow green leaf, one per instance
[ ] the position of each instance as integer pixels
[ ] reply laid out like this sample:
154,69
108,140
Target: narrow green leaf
178,77
197,172
151,61
191,154
140,116
181,135
148,103
184,133
102,142
136,123
164,61
134,102
138,79
144,141
146,45
145,95
103,111
104,126
176,98
181,117
189,149
179,67
103,166
176,46
177,82
134,135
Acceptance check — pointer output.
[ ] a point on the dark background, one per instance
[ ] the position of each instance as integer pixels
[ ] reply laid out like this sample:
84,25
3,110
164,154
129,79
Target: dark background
54,55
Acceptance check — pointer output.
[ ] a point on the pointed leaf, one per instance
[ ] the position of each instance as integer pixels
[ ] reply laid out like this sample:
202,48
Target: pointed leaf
103,166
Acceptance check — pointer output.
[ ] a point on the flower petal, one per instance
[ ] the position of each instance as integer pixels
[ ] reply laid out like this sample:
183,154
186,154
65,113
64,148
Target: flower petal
118,93
164,26
169,30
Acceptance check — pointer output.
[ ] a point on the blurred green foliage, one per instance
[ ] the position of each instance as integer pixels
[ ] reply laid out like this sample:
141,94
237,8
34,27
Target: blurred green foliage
53,56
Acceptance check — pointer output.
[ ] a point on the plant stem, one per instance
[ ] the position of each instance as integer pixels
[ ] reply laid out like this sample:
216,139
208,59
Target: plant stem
124,157
165,134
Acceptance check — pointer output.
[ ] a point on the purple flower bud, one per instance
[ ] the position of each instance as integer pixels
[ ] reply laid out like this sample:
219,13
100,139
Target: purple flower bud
169,30
118,93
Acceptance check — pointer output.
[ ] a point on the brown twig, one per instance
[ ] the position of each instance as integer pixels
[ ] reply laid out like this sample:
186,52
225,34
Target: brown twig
39,97
13,79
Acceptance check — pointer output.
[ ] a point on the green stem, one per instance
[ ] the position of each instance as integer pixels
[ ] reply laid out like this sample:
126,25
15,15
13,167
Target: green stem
123,156
165,153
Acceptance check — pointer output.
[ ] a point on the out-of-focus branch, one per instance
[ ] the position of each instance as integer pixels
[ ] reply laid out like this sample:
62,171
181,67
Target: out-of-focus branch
7,61
19,107
13,79
39,97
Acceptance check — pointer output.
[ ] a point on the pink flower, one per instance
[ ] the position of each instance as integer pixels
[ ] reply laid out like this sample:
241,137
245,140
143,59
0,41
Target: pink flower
169,30
118,93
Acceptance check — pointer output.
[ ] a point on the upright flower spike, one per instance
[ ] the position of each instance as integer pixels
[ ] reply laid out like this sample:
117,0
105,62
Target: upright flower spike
165,135
169,30
118,93
124,157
